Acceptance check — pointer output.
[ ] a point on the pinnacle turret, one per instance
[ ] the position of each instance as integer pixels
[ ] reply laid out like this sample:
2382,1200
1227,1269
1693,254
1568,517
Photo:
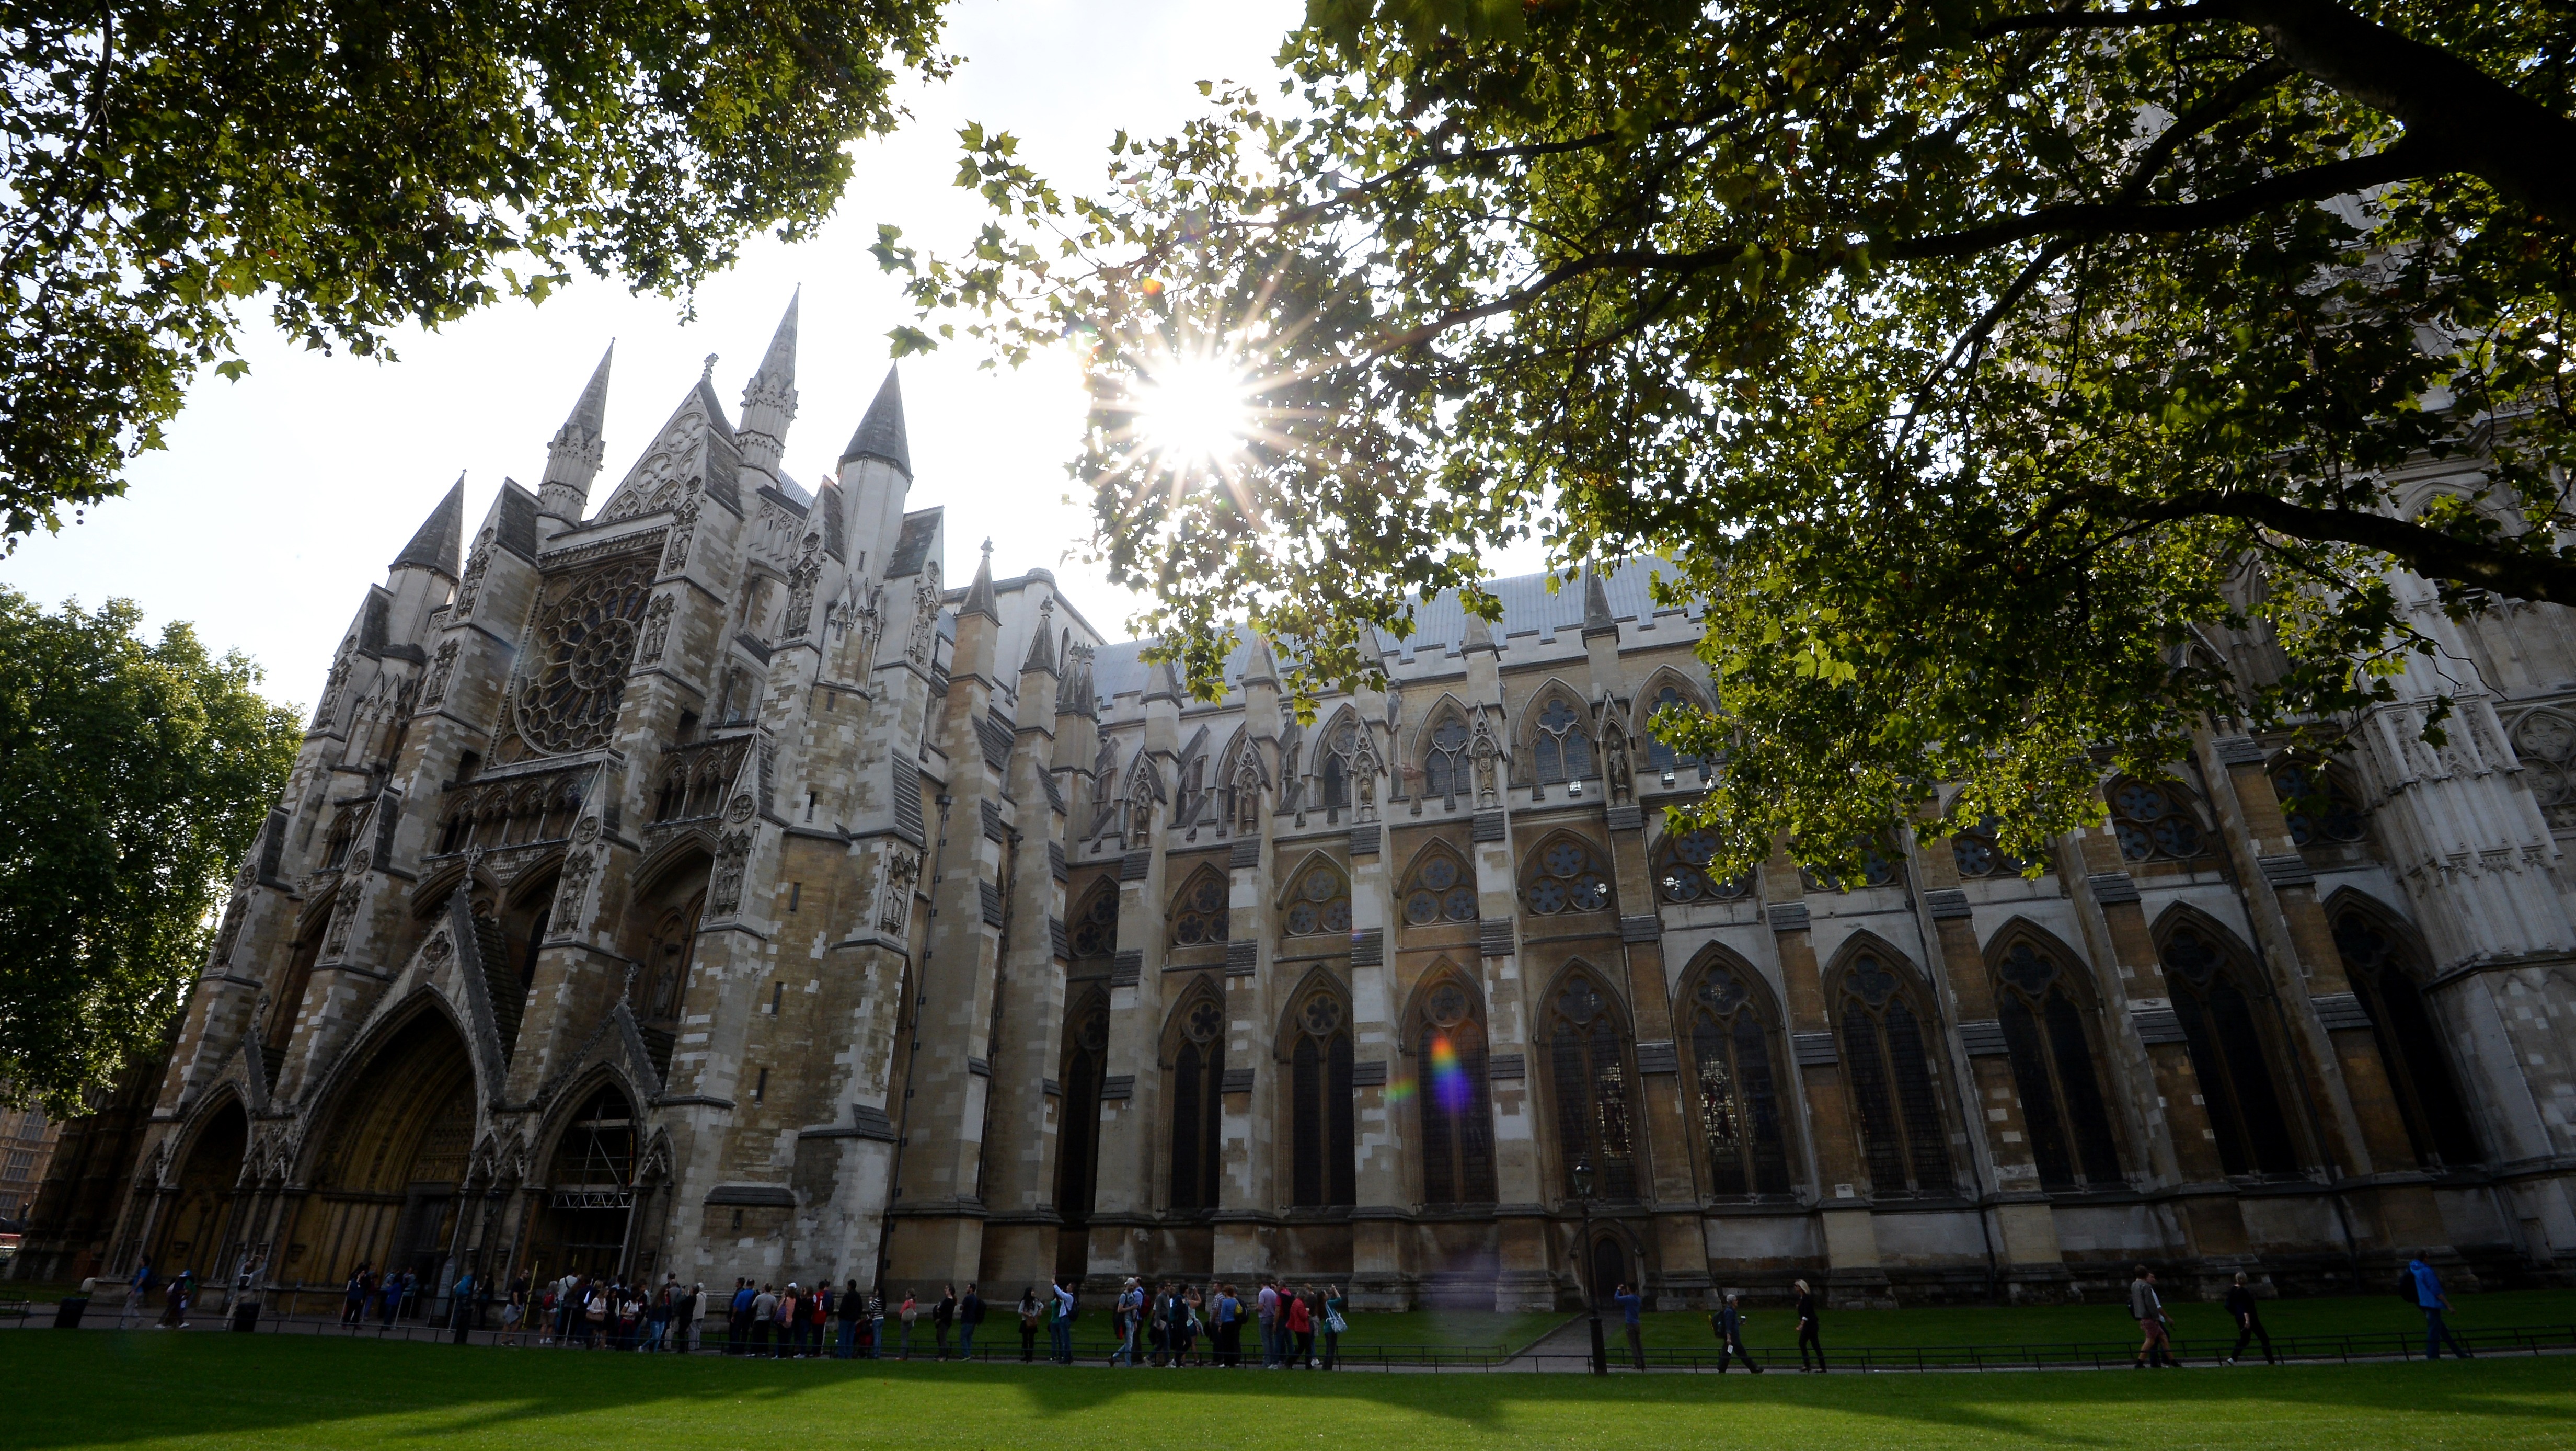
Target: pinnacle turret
1596,603
769,399
979,595
880,435
572,457
440,541
1079,696
1042,647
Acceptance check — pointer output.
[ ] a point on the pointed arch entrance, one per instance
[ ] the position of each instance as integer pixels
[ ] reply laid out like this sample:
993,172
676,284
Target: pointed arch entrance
386,1187
200,1227
586,1213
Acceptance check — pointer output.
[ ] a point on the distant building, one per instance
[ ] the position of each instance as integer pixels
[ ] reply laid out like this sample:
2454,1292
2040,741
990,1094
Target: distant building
699,883
26,1145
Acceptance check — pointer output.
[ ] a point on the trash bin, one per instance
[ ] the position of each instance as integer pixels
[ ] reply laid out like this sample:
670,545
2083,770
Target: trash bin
67,1314
246,1316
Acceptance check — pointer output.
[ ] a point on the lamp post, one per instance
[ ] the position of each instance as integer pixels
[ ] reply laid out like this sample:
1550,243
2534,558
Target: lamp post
1583,1251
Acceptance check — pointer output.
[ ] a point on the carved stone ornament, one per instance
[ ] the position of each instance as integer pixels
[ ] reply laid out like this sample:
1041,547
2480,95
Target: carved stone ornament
925,615
684,527
1485,751
441,666
470,588
572,888
800,588
586,638
344,910
1614,755
657,630
236,907
897,871
742,808
586,832
1247,799
733,853
437,950
331,689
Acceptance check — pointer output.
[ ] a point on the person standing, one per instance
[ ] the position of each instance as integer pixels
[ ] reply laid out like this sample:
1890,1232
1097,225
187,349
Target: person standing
907,1316
1336,1320
1728,1322
1032,1315
353,1296
2430,1299
2155,1341
138,1295
1060,1329
2242,1309
1807,1338
1124,1315
942,1316
818,1303
1176,1324
1265,1308
970,1313
738,1318
764,1313
1229,1328
1631,1307
1299,1325
854,1309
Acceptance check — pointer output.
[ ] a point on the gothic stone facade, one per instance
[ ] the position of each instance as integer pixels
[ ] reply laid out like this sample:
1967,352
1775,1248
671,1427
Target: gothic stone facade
699,885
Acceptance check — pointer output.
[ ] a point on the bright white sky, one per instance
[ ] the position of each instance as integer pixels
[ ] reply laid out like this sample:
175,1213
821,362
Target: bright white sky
281,497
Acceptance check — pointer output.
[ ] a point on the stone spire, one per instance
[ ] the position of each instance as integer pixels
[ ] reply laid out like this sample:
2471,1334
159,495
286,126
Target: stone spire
1167,683
441,537
1596,605
1260,666
979,595
1041,654
1079,696
769,399
572,457
1480,635
880,434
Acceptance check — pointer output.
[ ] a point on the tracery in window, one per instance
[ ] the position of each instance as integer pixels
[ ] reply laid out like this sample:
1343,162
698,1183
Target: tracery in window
1455,1112
586,639
1199,913
1661,759
1440,890
2315,805
2410,1044
2154,822
1567,875
1590,1077
1681,870
1445,772
1322,1132
1320,903
1094,930
1878,868
2545,741
1085,1073
2229,1055
1737,1093
1198,1102
1894,1092
1562,750
1978,854
2053,1069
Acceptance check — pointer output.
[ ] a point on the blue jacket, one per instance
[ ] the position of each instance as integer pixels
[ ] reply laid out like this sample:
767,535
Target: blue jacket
2428,1285
1628,1306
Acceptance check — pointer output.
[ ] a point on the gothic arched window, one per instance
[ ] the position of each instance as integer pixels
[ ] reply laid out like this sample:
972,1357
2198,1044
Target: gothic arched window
2316,806
1662,759
1085,1073
1198,1103
1322,1137
2053,1068
2229,1056
2409,1043
1199,913
1567,875
1440,890
2154,822
1738,1095
1444,760
1562,749
1319,904
1094,932
1878,868
1894,1091
1681,870
1590,1077
1978,854
1457,1112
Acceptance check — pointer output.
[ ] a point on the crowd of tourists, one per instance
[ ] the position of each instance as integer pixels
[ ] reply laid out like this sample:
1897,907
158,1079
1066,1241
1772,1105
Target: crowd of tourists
1175,1324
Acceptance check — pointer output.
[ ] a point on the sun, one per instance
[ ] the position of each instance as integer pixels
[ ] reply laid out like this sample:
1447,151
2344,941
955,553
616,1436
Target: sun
1193,412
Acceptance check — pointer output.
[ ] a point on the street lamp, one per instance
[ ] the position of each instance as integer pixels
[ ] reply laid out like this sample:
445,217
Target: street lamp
1587,1271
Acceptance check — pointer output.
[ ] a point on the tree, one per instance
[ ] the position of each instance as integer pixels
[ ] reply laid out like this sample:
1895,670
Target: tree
1973,362
358,166
133,776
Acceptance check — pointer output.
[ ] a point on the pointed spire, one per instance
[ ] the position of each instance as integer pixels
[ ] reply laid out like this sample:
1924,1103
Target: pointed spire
1480,634
1260,667
1596,603
979,595
573,455
881,434
440,538
1042,646
769,399
1079,696
1167,682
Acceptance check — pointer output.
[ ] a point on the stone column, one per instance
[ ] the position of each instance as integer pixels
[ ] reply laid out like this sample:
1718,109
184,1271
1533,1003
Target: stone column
1131,1100
1681,1277
1855,1277
1247,1190
1380,1234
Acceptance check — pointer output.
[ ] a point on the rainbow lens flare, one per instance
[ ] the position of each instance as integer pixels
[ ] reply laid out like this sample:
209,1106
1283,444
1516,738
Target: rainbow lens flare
1449,1088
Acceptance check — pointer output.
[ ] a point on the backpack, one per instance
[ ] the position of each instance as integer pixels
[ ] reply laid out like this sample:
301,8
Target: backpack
2406,1289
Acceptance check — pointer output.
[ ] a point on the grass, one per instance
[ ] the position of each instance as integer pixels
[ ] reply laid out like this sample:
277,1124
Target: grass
1480,1332
207,1392
1777,1326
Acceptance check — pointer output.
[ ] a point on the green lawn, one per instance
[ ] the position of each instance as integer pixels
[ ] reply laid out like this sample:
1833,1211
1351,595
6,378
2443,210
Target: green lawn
205,1391
1777,1325
1478,1332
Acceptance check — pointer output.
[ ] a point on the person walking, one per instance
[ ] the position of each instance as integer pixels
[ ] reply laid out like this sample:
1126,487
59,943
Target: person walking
2241,1308
1299,1325
1125,1314
2430,1299
174,1302
1032,1315
1631,1307
1807,1339
2155,1338
138,1295
970,1313
1728,1322
1060,1328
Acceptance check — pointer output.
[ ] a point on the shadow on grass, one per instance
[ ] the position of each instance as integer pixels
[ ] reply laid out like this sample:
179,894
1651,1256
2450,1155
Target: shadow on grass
95,1389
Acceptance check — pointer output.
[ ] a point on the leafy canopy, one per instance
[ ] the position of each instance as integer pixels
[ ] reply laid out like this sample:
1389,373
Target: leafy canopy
132,776
1975,363
360,165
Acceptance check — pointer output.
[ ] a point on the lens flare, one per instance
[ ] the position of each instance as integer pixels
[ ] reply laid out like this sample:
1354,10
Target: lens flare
1449,1088
1193,411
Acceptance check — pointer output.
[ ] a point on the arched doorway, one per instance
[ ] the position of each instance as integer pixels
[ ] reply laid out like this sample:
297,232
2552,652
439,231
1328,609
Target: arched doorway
1609,1269
589,1194
386,1187
198,1229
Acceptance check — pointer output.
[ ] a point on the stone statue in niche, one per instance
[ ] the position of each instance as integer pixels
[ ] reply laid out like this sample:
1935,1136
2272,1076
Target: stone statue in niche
1614,762
1484,753
657,629
684,528
925,616
470,587
571,890
1247,799
800,588
897,871
733,855
441,665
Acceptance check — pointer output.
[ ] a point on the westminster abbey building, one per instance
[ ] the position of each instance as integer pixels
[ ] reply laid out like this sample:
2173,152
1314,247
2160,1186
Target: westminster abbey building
695,875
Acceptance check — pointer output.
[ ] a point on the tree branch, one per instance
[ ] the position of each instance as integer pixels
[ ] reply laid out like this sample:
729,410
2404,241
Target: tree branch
2502,567
2101,20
